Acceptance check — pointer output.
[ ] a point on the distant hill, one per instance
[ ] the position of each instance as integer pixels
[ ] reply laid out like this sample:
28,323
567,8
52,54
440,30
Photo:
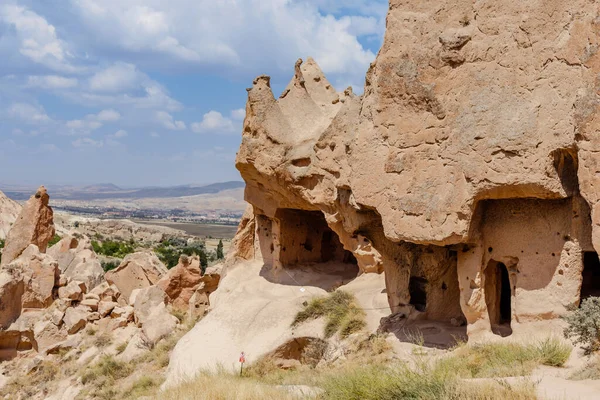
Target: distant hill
102,187
110,191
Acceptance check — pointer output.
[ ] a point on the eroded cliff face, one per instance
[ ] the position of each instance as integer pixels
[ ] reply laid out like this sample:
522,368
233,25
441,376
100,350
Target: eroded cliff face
465,172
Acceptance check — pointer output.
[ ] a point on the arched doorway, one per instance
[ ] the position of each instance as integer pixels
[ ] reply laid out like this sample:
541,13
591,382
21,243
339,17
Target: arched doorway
498,297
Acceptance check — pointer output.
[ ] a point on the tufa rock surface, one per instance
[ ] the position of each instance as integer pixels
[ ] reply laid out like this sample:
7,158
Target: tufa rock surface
466,172
137,271
9,212
34,225
181,281
77,261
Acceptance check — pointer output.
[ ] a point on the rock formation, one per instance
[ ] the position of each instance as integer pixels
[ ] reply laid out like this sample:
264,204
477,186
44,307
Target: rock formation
48,298
137,271
9,211
465,172
33,226
181,281
77,260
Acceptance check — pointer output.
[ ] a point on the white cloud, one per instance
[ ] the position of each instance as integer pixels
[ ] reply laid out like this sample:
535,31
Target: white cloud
82,126
87,143
20,132
238,114
120,134
47,148
36,38
169,122
109,115
91,122
51,82
198,32
119,77
215,122
154,135
28,113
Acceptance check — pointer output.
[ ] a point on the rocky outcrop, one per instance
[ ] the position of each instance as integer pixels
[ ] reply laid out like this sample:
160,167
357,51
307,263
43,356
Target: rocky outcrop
181,281
34,225
9,211
152,315
137,271
78,261
40,275
11,292
465,172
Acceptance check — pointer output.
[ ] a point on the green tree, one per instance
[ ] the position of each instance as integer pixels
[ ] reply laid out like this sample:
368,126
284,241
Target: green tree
220,254
584,325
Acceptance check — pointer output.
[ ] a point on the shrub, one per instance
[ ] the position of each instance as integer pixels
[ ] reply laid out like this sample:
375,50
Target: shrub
112,248
55,239
340,310
584,325
220,254
169,252
109,265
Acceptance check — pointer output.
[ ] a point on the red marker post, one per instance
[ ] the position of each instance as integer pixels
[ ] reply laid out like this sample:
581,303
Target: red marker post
242,361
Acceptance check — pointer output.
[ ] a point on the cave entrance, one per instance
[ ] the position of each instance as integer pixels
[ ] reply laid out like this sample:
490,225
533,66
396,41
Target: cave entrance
417,288
498,296
305,238
590,285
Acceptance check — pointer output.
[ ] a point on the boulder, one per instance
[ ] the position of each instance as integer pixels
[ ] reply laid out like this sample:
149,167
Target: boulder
35,225
106,292
125,312
91,303
78,261
40,274
57,316
75,320
106,307
199,302
152,314
71,342
93,316
19,336
47,334
146,301
11,292
181,281
159,324
73,291
138,270
136,347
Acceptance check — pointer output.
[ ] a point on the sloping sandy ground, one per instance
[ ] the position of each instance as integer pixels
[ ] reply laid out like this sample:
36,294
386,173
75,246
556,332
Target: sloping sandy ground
253,309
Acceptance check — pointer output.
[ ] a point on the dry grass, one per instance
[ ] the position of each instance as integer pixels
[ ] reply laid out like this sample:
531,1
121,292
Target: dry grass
224,387
103,340
41,379
505,359
143,386
121,347
425,382
340,310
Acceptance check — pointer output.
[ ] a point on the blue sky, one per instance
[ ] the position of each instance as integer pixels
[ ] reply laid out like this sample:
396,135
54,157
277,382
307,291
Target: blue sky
148,92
